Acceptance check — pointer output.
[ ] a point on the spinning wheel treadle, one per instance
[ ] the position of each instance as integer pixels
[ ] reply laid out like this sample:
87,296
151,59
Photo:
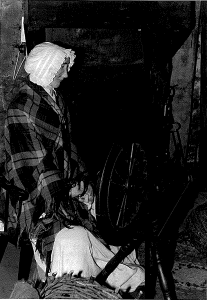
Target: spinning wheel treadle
122,190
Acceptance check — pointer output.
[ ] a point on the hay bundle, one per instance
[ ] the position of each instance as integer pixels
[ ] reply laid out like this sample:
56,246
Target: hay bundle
69,286
196,228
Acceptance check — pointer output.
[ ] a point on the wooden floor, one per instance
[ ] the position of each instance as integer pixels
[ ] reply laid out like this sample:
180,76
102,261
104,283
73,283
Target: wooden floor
8,271
183,294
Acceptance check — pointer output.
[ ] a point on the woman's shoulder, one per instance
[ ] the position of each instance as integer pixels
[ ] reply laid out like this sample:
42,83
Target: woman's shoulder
24,97
30,96
31,100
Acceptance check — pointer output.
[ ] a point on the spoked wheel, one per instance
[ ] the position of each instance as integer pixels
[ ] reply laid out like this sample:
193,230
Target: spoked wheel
122,191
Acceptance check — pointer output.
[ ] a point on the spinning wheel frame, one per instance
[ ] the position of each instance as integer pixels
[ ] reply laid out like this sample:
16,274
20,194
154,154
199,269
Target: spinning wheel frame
122,188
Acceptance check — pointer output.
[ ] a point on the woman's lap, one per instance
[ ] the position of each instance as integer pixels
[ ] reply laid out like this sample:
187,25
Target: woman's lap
77,250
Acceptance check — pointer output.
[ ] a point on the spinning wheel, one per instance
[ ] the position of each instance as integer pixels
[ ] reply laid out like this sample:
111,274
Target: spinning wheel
122,190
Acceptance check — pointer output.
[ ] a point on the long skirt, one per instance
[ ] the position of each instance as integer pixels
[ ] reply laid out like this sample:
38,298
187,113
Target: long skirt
76,250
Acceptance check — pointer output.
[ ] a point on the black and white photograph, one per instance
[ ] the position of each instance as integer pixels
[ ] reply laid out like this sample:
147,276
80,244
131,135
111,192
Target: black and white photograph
103,149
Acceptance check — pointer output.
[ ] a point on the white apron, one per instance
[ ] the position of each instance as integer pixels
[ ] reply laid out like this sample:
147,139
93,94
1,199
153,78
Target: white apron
77,250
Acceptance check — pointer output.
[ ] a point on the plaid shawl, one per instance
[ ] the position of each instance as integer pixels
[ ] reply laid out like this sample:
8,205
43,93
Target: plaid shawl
37,161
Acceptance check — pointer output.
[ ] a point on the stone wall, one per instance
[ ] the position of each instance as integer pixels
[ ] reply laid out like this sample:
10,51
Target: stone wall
186,78
10,22
182,77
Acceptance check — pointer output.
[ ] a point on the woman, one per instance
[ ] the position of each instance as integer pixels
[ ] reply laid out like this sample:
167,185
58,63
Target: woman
42,160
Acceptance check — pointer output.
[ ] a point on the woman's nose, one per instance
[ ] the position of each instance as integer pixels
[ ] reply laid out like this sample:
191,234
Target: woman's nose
65,74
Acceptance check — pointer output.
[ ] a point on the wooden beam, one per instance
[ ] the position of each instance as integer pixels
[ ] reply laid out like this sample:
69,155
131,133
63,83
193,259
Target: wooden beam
63,13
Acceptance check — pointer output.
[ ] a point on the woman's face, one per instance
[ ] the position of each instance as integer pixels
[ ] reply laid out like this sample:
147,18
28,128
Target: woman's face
61,74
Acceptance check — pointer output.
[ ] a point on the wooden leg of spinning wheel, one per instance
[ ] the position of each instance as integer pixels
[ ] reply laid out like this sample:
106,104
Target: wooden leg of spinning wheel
25,261
169,253
150,271
165,277
115,261
4,243
48,262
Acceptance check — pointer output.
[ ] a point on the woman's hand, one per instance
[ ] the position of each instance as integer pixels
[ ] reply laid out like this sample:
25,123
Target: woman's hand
87,198
77,190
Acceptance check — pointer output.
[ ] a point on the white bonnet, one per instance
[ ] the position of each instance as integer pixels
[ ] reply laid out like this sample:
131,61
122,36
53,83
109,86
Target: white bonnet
45,60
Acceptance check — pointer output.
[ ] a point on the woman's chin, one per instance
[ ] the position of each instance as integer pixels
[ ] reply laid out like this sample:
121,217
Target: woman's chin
56,85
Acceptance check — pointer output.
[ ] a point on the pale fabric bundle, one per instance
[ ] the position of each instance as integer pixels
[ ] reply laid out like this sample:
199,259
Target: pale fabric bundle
77,250
45,60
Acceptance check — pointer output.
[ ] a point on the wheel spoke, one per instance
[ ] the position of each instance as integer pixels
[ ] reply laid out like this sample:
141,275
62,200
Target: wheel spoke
119,176
118,184
124,189
122,210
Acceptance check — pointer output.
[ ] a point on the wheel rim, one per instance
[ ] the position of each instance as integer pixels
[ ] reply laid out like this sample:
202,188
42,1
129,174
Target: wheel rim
124,180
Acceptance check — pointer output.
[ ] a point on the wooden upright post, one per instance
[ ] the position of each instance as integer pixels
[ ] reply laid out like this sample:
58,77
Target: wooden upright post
203,98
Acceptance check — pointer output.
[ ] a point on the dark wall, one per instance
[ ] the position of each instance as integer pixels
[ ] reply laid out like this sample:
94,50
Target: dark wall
108,104
109,91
